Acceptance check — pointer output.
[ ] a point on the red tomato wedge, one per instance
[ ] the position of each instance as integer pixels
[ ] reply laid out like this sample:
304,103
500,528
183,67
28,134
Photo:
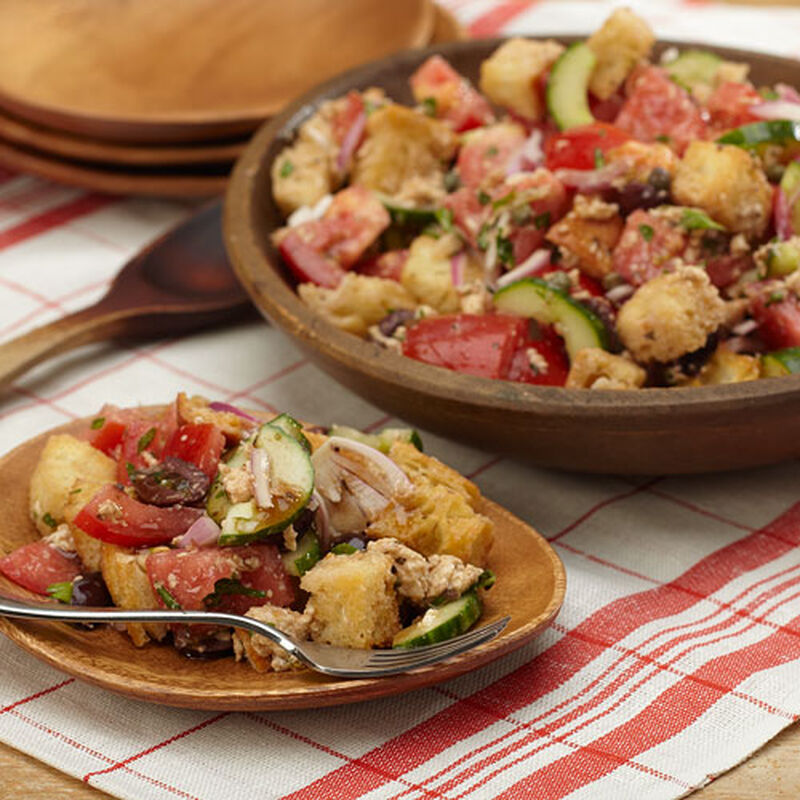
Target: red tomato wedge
387,265
658,108
144,440
485,154
778,319
456,101
551,348
648,243
190,576
107,435
37,565
199,444
113,517
474,344
729,106
582,147
307,265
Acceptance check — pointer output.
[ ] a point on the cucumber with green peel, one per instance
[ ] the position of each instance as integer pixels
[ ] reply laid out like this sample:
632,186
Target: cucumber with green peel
300,560
291,427
781,362
693,68
382,440
568,87
290,472
442,622
755,134
404,214
578,325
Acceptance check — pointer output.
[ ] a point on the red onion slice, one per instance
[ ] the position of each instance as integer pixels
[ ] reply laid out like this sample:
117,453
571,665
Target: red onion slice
782,212
529,155
203,532
322,520
260,467
776,109
229,409
457,265
351,141
592,180
786,92
534,262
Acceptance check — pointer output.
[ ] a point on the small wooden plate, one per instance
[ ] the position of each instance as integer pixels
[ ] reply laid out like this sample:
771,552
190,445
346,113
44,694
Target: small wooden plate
650,432
55,144
156,183
530,588
187,69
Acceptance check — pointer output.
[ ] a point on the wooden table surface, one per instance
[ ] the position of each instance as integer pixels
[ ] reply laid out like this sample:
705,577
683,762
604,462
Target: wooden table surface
773,772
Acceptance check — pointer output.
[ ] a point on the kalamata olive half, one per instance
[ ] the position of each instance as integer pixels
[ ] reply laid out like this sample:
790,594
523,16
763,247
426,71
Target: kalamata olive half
655,192
172,481
392,321
90,590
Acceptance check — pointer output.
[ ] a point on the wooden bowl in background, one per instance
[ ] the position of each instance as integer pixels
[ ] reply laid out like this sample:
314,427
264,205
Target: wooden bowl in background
652,431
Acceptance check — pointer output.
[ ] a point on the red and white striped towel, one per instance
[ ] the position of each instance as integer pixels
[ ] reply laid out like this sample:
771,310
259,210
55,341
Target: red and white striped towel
675,656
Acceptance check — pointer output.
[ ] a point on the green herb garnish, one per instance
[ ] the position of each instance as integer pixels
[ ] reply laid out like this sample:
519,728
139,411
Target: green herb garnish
599,158
169,600
647,232
61,591
483,198
48,520
229,586
542,221
693,219
444,216
145,440
98,423
505,251
429,106
287,168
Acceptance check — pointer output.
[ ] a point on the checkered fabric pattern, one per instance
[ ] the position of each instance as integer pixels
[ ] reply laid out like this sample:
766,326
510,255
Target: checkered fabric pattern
675,655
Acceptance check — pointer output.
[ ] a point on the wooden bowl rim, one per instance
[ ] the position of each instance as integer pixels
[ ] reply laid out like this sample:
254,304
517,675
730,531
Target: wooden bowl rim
259,271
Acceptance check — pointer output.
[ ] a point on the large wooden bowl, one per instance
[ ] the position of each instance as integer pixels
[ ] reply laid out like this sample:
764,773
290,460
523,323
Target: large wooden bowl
652,431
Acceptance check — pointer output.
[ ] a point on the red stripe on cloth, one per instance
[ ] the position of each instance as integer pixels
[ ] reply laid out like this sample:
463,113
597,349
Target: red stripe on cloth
36,696
53,218
490,23
481,469
6,175
674,711
557,664
136,756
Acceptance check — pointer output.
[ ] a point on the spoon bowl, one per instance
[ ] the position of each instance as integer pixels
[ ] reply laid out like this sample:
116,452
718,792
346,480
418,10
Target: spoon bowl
181,282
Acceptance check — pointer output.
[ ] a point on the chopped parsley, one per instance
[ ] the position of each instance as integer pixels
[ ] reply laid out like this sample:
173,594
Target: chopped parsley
775,297
444,216
505,251
542,221
483,234
483,198
663,138
169,600
227,586
48,520
693,219
145,440
429,106
61,591
504,201
492,151
98,423
370,106
287,168
599,158
647,232
343,549
129,468
521,214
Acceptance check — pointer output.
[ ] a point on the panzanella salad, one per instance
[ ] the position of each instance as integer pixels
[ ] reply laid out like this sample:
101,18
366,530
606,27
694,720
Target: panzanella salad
587,216
352,539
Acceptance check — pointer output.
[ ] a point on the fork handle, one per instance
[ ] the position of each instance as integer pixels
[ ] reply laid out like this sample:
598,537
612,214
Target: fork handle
18,609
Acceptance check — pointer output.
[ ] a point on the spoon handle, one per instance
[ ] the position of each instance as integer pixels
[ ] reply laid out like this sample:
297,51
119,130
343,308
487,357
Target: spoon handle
82,327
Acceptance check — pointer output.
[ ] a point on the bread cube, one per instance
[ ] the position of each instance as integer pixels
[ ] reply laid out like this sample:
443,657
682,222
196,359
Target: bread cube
726,182
352,602
357,302
261,652
670,315
405,155
64,461
619,44
126,578
301,176
509,76
593,368
725,366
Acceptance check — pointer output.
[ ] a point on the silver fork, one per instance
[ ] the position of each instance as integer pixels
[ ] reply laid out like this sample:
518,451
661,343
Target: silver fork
339,661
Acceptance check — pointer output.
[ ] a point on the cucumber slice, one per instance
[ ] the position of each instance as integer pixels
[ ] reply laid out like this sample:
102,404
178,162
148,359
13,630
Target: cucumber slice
754,134
291,427
403,214
532,297
781,362
290,469
308,552
440,623
567,86
693,68
782,259
790,185
382,440
695,219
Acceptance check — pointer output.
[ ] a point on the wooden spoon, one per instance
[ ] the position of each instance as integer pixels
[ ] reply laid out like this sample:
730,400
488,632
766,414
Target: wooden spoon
179,283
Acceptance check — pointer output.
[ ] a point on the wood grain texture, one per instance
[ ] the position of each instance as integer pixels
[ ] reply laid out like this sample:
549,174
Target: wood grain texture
159,71
652,431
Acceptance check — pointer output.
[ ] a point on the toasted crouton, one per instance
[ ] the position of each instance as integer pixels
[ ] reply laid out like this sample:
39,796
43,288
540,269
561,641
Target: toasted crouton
301,176
65,460
357,302
593,368
509,76
126,578
727,182
670,315
623,40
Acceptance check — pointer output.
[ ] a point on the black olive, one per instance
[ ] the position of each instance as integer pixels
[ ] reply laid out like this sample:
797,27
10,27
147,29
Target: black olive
202,642
655,192
172,481
90,590
604,309
392,321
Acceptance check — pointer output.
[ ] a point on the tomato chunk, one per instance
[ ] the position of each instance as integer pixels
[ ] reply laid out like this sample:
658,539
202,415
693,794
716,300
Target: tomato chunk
453,97
553,354
474,344
190,577
485,154
37,565
112,516
778,317
199,444
107,436
729,106
583,146
657,108
648,243
307,265
144,440
387,265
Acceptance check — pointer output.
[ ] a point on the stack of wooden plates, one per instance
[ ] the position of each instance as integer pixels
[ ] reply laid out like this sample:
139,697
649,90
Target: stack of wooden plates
160,98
